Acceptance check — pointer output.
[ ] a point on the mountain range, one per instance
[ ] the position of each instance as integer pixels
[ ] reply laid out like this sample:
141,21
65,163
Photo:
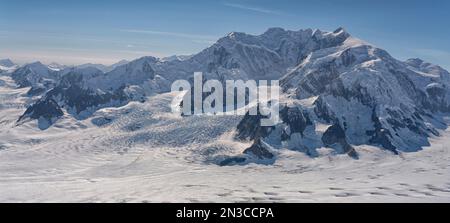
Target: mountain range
336,91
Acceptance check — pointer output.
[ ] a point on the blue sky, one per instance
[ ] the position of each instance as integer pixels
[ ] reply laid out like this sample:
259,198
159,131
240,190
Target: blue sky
74,32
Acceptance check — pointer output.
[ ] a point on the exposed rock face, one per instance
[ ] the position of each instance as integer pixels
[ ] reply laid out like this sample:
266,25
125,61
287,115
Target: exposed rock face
7,63
45,109
250,128
380,135
296,119
294,122
259,150
336,135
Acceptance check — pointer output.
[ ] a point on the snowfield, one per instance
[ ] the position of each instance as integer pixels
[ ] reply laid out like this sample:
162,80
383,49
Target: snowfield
142,152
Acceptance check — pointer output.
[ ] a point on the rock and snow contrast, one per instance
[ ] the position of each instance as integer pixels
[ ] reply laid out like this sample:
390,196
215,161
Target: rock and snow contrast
355,125
6,65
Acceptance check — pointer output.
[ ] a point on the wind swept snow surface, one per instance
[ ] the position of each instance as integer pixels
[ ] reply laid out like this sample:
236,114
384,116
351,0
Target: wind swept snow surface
143,153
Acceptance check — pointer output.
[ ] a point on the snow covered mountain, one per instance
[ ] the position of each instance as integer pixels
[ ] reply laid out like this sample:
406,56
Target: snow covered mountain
338,91
353,93
82,91
103,68
6,65
56,66
176,57
35,75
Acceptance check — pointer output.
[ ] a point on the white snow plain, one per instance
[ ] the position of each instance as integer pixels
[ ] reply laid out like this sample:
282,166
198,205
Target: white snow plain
143,153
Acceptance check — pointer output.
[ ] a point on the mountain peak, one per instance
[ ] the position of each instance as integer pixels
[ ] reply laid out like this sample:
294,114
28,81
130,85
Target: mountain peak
6,63
236,35
56,66
338,30
275,30
37,63
415,62
426,67
121,62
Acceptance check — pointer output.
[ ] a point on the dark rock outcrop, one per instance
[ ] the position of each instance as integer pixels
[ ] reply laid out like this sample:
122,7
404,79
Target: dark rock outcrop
250,127
45,108
336,135
259,150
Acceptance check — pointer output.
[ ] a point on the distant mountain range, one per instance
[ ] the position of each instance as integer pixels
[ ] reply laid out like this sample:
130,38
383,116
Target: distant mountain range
337,90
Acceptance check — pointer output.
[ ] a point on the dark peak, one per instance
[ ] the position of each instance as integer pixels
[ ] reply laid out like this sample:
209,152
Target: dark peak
236,35
145,59
341,33
121,62
414,61
6,62
89,69
338,30
417,63
36,64
274,30
317,33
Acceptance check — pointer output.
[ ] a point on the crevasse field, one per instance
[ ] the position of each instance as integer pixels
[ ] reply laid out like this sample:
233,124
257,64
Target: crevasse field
143,153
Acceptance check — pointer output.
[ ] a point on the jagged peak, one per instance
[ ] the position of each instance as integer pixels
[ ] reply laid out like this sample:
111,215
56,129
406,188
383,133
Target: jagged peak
339,30
7,63
236,34
83,70
145,59
36,66
317,32
424,66
274,30
36,63
139,63
414,62
122,61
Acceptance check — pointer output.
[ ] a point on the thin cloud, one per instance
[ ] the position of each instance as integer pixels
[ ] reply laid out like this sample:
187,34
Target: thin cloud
253,8
174,34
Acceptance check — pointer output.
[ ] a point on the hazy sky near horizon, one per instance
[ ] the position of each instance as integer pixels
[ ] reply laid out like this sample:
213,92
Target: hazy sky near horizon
75,32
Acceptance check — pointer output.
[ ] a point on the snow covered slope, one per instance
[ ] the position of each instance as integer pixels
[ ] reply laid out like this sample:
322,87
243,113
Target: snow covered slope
6,66
143,153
